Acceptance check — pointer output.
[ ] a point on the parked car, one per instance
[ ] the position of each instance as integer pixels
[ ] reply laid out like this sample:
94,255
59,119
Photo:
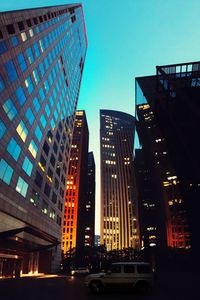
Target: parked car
137,275
80,271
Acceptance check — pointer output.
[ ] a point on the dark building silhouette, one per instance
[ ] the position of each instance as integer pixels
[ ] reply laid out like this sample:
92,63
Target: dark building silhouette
42,53
90,202
119,215
76,190
168,120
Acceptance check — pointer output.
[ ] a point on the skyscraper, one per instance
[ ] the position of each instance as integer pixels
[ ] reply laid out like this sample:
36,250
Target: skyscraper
119,215
90,202
75,201
42,53
168,114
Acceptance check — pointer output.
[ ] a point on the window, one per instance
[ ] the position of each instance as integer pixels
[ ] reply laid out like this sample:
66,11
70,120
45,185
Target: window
129,269
2,129
2,85
54,198
29,54
5,171
21,187
47,110
35,198
30,116
22,131
41,67
23,36
10,28
52,160
36,104
47,190
27,166
36,49
3,47
29,84
33,148
38,179
21,25
31,33
11,71
44,207
115,269
21,98
10,109
22,62
38,133
43,121
144,269
14,41
52,214
13,149
36,76
46,148
41,93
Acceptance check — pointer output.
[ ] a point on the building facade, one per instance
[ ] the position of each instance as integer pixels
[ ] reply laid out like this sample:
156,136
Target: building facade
73,238
42,53
90,203
119,215
168,111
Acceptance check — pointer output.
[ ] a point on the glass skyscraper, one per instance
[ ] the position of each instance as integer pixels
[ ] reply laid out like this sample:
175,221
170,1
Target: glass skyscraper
119,221
42,53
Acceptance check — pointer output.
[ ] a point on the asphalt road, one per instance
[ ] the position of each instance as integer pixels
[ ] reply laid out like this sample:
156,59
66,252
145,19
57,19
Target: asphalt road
171,286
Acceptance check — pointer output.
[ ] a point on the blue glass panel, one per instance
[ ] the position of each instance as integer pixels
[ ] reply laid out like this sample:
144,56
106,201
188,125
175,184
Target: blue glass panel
2,85
11,71
36,76
30,116
5,171
3,47
2,129
30,56
47,109
10,109
43,121
41,67
36,49
14,41
14,149
41,93
22,62
20,95
36,104
27,166
29,84
38,133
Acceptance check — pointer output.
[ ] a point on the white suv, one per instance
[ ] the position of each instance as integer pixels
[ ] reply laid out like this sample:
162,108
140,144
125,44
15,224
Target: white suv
138,275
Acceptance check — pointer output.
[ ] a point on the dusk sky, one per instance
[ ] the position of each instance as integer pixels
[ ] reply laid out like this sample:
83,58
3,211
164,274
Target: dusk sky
126,39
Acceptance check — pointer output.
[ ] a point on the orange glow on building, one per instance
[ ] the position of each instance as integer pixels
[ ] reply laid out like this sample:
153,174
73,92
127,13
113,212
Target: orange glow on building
72,226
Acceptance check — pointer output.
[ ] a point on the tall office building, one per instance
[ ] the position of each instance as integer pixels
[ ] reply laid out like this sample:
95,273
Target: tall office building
168,113
90,202
75,202
119,216
42,53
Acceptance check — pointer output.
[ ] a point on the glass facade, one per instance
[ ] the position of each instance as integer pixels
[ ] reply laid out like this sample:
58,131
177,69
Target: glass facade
119,221
39,86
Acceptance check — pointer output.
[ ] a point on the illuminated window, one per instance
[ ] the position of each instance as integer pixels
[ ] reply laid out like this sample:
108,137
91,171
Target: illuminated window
33,148
21,187
22,131
23,36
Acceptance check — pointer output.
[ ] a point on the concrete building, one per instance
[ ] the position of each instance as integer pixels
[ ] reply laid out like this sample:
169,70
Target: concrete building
42,53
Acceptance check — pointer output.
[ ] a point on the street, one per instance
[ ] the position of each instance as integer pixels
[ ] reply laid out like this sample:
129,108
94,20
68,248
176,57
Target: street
170,286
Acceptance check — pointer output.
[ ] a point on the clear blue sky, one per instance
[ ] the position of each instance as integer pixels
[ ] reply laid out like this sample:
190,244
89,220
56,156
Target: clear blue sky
127,39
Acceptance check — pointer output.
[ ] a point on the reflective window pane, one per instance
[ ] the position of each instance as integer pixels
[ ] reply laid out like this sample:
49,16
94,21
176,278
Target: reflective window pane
27,166
10,109
21,186
5,171
14,149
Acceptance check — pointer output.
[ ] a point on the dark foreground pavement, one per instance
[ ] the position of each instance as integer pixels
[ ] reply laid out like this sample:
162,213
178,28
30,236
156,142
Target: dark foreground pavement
172,286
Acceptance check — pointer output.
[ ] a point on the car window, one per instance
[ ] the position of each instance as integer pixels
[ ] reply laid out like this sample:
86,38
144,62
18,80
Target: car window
115,269
144,269
129,269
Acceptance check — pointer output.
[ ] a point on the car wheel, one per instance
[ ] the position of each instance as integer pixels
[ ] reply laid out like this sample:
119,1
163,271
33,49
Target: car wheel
96,287
142,287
